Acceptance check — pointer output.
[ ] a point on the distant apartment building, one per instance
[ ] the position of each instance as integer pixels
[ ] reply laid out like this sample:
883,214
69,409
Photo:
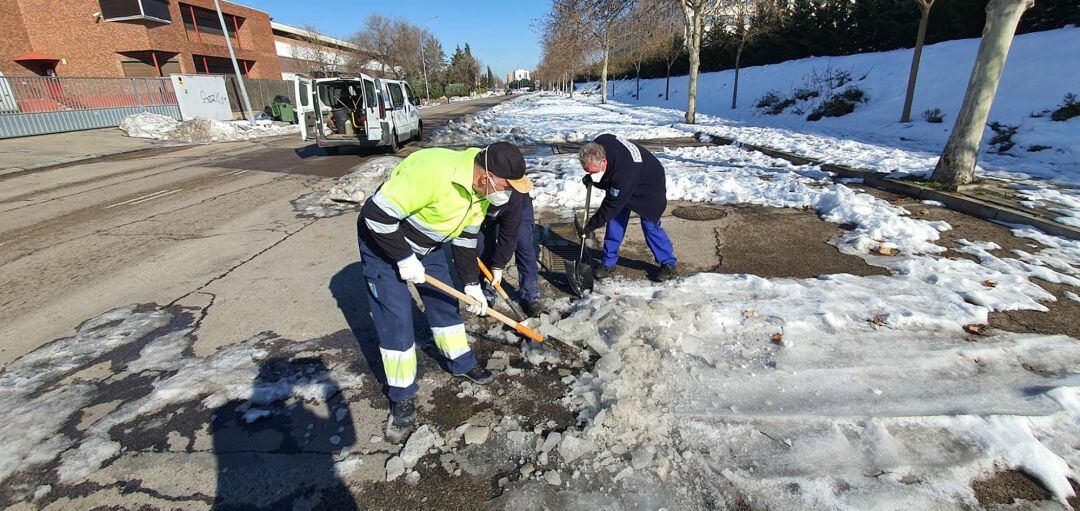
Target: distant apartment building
306,52
133,38
522,74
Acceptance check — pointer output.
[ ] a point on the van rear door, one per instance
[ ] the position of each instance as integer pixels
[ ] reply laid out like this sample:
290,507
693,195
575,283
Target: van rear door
412,103
372,111
401,115
306,107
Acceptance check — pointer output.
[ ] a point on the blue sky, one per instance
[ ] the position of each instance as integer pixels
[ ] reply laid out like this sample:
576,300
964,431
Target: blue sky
500,32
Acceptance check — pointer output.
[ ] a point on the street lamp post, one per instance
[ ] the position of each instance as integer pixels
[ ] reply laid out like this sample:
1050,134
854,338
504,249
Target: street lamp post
236,67
423,60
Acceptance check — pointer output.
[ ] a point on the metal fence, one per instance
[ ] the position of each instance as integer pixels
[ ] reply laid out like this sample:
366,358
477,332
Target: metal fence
261,92
36,105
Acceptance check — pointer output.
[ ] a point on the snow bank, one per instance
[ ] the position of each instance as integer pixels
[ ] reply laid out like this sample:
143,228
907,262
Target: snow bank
350,190
199,130
1035,80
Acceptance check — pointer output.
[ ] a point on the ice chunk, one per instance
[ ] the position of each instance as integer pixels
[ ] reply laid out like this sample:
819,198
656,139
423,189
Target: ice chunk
643,456
394,468
476,434
551,441
572,448
419,442
553,478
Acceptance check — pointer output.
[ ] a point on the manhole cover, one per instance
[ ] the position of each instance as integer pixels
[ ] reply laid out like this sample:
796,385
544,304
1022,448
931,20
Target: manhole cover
699,213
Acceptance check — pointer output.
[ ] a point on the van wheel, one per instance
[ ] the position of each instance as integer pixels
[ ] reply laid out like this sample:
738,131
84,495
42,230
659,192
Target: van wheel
419,132
332,151
394,146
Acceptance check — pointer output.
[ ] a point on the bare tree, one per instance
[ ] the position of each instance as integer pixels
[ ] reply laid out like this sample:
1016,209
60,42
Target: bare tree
747,20
924,10
698,16
644,37
318,58
671,47
602,17
957,163
566,39
393,42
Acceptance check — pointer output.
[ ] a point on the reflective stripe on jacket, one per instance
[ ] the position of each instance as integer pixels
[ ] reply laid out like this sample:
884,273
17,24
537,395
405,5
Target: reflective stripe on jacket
427,200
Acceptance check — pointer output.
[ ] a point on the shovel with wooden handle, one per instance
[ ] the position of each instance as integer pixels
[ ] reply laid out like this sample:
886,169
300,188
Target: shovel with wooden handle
580,275
562,346
502,292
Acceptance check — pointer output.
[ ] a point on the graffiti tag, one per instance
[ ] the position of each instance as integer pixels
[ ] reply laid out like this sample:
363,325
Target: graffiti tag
213,98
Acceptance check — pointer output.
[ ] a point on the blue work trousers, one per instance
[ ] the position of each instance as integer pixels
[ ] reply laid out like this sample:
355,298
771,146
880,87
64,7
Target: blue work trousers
655,238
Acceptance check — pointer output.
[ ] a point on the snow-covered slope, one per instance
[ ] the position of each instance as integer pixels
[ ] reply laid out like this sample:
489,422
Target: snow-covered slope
1041,68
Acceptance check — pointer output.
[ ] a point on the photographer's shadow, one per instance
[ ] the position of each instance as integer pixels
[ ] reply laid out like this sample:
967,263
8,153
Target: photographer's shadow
276,449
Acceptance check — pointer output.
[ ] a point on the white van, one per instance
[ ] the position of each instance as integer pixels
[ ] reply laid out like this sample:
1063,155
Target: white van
357,111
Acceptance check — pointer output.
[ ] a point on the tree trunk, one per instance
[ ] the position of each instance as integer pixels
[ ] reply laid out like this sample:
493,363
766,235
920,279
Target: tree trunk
603,77
957,163
637,93
924,6
735,89
667,82
695,62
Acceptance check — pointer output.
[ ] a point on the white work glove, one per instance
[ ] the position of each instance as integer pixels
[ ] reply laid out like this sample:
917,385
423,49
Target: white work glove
411,269
496,276
473,291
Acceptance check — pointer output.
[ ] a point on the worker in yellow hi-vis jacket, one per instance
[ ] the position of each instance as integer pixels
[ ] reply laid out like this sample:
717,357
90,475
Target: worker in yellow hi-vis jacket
434,198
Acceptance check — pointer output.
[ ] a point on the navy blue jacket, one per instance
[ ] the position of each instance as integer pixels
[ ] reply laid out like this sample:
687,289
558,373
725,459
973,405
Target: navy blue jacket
634,179
508,218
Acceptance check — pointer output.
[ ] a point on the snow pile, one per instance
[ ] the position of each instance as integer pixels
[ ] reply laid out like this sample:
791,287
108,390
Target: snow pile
350,190
758,381
199,130
1034,83
148,125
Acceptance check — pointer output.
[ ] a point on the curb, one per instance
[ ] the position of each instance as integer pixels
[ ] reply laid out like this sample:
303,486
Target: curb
955,201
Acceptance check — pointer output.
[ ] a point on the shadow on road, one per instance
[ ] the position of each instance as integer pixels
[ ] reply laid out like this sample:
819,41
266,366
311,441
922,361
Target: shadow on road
275,450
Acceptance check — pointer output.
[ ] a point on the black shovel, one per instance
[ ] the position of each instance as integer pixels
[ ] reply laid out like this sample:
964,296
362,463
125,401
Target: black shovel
580,276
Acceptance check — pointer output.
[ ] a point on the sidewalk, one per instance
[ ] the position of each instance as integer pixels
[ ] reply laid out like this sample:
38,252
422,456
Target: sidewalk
28,153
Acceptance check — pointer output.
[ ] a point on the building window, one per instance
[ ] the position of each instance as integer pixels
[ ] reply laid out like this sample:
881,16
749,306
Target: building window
136,10
206,65
204,26
149,64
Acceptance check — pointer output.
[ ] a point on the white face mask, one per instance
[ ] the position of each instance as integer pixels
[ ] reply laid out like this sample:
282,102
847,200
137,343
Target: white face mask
498,197
596,176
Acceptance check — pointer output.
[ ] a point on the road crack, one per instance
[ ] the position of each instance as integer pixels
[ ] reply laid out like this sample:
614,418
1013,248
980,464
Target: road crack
233,268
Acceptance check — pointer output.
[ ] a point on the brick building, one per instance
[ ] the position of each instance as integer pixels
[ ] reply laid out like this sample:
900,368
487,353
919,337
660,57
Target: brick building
136,38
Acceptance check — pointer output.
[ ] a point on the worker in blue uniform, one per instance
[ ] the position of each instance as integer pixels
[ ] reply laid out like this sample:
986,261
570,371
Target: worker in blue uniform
634,181
508,232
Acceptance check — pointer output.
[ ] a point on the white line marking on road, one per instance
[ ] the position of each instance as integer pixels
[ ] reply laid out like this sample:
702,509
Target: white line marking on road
235,172
135,199
158,197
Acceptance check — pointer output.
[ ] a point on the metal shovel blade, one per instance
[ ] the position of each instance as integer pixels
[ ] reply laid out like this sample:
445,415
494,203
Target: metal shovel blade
580,278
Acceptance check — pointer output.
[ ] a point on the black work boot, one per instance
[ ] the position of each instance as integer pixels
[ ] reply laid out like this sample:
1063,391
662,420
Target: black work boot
479,375
533,309
402,412
602,272
667,272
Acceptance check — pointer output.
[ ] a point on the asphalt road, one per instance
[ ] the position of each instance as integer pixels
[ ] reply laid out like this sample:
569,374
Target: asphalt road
189,226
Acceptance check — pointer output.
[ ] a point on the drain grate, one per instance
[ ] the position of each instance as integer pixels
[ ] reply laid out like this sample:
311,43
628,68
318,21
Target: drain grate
699,213
558,251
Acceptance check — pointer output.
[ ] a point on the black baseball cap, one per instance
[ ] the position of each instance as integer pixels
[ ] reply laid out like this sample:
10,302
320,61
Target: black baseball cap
504,160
